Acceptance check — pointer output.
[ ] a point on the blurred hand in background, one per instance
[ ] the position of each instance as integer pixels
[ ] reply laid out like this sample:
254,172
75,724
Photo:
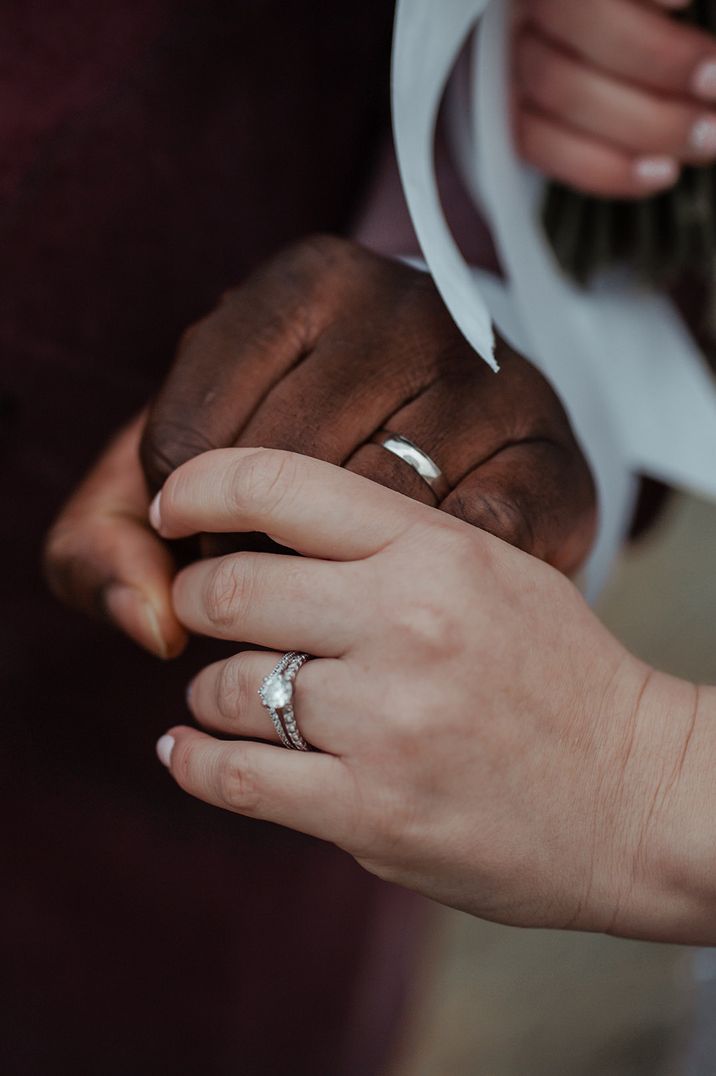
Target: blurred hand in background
613,96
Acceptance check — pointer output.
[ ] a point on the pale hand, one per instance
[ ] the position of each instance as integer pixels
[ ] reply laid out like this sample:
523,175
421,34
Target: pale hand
480,737
611,96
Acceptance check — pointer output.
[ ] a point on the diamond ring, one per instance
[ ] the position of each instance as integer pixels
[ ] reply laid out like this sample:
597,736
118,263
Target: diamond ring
276,694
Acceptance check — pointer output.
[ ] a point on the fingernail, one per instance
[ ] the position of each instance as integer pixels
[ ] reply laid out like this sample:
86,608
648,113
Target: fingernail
160,645
131,612
155,514
703,83
655,173
165,746
703,137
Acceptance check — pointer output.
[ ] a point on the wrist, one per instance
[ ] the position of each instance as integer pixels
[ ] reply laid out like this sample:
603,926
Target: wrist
664,821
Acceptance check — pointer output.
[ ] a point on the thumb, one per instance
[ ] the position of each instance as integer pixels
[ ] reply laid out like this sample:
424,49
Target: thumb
102,557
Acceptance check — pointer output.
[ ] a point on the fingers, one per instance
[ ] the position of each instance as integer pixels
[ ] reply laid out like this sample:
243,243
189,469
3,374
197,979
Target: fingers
342,393
287,603
632,118
229,362
587,164
461,420
634,42
304,504
612,98
458,420
519,496
507,453
308,792
224,698
379,465
102,557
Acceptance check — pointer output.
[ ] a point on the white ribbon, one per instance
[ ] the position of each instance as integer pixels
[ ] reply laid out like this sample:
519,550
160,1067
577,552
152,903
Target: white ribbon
422,63
636,388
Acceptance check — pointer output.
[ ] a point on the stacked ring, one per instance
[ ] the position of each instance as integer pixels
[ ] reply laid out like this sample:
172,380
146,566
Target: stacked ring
276,694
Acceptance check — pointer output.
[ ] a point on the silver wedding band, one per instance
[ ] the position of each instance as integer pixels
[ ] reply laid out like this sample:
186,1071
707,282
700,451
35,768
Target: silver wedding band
276,694
421,463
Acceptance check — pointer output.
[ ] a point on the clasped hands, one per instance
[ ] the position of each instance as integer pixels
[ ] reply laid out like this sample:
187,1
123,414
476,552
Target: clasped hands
481,738
317,351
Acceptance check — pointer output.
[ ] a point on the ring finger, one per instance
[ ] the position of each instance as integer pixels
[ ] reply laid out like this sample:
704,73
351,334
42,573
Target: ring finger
224,697
591,101
456,422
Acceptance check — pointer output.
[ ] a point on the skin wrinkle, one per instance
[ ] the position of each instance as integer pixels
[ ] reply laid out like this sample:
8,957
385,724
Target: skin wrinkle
662,791
595,828
664,788
595,831
681,761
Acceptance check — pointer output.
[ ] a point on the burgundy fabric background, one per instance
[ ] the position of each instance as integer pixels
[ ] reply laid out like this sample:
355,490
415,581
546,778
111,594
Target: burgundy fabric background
150,153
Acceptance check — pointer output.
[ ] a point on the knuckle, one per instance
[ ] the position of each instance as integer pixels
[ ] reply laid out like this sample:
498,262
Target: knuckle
238,787
321,250
226,588
325,268
503,516
261,481
182,765
166,444
427,628
77,560
457,545
513,523
232,689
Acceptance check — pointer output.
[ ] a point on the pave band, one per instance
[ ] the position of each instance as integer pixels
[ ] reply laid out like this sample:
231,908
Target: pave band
421,463
276,694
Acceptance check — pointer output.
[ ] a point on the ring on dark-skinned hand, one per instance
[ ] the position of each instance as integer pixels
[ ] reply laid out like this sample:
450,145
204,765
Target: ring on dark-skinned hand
407,451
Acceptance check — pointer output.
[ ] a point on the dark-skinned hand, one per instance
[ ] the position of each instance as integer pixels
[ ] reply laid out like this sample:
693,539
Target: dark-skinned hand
319,350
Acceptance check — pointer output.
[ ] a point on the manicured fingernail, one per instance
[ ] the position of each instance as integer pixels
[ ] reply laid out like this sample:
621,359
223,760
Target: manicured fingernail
703,83
703,137
165,746
136,616
155,512
656,173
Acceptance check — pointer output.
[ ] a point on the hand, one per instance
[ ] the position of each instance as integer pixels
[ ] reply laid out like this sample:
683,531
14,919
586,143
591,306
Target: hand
102,557
314,353
480,737
613,96
328,344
